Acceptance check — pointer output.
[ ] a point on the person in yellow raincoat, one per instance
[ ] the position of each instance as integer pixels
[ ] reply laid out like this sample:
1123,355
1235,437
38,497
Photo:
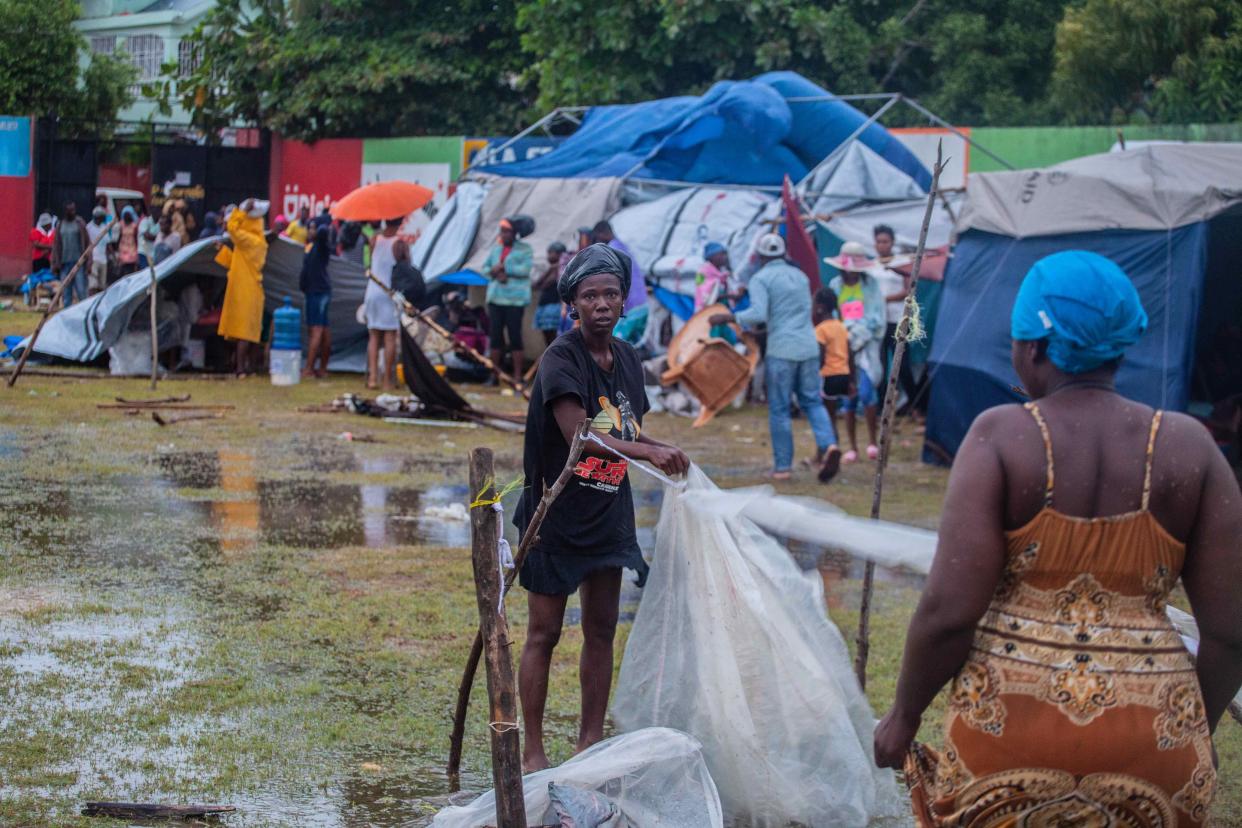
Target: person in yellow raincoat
241,318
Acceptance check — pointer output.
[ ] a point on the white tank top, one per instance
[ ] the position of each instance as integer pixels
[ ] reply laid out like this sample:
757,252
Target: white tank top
382,259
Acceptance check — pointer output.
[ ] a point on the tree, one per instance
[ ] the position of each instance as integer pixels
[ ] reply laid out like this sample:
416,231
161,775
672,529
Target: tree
1160,60
356,67
978,61
41,71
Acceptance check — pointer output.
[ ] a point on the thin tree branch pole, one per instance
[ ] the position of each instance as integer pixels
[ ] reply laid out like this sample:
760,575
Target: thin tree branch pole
476,649
155,336
458,346
60,291
886,424
485,534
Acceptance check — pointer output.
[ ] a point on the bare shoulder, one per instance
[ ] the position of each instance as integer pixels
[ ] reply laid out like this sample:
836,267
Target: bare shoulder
998,421
1185,438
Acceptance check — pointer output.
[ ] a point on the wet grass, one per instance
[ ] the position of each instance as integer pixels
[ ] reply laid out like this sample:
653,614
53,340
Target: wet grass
218,611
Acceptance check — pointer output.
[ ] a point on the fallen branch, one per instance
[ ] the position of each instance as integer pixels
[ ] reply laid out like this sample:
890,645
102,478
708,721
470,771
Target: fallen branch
529,539
909,310
139,810
181,418
168,406
180,399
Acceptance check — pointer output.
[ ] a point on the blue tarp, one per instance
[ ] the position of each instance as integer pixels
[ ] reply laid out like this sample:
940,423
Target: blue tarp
738,132
970,358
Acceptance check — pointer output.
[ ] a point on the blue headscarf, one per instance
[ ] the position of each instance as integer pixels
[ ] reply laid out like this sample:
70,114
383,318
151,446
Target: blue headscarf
1084,305
712,249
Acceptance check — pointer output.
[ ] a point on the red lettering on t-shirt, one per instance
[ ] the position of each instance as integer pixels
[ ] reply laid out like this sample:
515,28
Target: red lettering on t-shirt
601,470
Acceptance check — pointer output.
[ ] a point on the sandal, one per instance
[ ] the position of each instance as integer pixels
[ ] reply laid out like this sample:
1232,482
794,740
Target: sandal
779,476
831,464
873,452
850,456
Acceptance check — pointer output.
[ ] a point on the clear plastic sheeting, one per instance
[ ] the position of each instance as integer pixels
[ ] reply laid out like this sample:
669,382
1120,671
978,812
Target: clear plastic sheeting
734,646
655,776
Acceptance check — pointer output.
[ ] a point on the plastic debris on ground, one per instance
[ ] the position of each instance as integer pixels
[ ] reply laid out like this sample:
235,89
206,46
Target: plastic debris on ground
733,645
654,777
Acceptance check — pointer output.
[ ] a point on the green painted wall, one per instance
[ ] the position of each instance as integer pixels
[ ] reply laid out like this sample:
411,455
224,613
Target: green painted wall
421,150
1026,147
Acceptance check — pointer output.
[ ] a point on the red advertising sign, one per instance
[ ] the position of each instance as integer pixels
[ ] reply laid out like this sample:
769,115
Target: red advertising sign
313,175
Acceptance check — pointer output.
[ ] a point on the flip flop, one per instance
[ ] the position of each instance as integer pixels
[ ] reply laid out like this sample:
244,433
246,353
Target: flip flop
873,451
831,464
850,456
779,476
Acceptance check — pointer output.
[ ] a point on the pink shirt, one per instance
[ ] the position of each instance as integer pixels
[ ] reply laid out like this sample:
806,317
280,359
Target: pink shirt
709,277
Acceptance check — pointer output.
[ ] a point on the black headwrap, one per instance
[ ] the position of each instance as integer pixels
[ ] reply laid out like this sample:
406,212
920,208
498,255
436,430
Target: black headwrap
598,258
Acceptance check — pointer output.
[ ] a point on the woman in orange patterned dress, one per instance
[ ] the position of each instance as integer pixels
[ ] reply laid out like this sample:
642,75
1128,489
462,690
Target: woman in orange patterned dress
1066,524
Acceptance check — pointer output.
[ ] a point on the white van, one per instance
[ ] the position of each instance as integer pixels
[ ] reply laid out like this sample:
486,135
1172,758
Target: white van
118,200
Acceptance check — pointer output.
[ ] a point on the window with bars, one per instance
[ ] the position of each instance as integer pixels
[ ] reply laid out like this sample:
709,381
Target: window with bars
103,45
146,52
188,58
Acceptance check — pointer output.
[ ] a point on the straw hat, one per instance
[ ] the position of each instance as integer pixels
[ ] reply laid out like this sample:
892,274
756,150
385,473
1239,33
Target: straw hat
853,257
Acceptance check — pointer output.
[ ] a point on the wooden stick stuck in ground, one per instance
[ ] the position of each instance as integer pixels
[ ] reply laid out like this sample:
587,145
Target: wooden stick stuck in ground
485,534
889,411
476,649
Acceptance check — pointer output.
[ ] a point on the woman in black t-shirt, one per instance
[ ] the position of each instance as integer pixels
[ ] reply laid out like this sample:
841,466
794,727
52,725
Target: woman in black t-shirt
588,534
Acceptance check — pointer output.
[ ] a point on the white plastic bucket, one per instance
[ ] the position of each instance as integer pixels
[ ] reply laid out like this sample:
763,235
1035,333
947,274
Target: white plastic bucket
286,367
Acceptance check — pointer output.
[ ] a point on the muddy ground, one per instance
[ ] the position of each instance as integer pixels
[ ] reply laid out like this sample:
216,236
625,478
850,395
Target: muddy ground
255,611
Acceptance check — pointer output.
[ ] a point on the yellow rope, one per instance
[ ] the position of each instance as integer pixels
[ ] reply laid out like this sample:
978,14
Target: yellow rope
509,488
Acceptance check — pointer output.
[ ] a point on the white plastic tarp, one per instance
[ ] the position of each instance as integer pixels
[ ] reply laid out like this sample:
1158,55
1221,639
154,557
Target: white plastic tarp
559,207
856,175
668,234
656,776
733,645
1155,187
445,243
85,330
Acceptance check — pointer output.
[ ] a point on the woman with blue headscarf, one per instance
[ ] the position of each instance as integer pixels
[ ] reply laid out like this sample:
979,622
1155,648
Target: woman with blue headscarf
1067,523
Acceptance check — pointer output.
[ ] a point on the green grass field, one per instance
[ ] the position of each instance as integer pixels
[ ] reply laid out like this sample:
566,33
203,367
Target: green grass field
249,610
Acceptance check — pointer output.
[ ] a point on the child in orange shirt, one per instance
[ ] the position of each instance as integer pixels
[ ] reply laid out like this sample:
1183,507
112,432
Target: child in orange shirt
834,348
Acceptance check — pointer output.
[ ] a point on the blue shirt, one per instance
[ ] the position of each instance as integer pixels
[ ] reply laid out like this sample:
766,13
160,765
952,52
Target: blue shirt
516,291
780,297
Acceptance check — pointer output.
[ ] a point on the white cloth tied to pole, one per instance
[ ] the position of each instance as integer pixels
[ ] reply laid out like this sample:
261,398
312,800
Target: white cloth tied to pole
504,556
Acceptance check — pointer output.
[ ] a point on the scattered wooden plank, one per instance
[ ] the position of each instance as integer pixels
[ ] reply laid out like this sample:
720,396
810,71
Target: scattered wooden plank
143,810
167,407
170,419
178,399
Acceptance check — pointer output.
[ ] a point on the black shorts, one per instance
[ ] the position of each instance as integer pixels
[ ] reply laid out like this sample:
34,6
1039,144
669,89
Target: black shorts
505,318
837,386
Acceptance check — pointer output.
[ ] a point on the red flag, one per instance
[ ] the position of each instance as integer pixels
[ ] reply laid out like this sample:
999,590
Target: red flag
799,246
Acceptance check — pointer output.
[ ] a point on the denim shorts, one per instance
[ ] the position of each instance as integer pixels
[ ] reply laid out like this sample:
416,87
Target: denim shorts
317,309
865,398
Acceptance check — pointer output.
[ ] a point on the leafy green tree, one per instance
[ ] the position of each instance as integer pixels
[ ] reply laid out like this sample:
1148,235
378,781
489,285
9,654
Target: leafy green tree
976,61
356,67
1160,60
41,71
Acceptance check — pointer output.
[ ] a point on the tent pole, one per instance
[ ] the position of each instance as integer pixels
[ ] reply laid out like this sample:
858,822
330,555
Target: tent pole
546,119
832,156
155,337
909,311
941,122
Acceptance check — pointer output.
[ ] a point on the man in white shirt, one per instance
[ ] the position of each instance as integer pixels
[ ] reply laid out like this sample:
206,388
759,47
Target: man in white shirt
99,255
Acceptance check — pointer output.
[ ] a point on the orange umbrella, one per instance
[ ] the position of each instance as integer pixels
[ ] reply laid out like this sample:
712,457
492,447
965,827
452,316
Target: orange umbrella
382,200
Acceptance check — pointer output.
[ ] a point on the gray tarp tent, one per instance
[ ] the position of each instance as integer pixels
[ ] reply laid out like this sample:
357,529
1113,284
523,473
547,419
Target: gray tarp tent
85,331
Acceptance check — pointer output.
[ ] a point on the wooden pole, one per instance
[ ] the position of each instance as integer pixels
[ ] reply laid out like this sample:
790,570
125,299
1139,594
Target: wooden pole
457,346
501,687
476,649
155,338
886,424
60,291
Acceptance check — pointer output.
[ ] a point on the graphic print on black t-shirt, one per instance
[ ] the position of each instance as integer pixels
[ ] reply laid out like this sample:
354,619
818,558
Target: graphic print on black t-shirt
594,514
618,420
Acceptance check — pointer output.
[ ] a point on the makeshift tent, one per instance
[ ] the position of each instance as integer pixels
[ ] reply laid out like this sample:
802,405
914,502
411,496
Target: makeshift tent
738,132
1168,215
85,331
